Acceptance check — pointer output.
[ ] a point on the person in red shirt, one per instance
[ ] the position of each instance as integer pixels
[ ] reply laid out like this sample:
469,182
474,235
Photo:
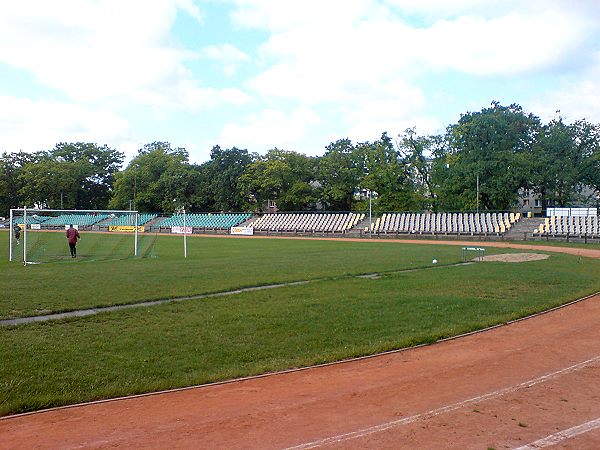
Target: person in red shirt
72,236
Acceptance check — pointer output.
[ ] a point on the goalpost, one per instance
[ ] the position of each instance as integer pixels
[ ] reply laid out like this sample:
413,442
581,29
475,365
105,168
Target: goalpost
39,235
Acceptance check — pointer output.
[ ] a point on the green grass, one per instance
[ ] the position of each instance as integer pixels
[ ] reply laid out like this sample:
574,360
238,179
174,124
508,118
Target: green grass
200,341
213,265
595,244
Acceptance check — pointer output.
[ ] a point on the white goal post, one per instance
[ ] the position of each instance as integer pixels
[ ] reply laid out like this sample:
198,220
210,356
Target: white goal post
38,235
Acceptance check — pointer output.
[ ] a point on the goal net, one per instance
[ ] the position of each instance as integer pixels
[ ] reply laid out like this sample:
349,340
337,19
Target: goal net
41,235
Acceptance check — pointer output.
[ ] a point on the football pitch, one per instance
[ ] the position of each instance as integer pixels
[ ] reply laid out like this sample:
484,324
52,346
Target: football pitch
336,315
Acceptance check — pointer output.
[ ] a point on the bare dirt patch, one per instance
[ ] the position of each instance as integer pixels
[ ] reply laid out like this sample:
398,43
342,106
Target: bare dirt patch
515,257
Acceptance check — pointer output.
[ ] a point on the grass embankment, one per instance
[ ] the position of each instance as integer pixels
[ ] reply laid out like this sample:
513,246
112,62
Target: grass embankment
213,265
182,344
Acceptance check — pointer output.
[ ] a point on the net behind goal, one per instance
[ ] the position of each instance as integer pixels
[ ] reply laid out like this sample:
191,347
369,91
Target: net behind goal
41,235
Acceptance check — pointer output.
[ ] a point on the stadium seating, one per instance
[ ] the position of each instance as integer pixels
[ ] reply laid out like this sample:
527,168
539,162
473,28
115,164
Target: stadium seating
445,223
211,221
75,219
31,218
129,220
576,226
308,222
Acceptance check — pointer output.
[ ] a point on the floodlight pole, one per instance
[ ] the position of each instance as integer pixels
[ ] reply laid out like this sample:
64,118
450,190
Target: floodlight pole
477,194
370,216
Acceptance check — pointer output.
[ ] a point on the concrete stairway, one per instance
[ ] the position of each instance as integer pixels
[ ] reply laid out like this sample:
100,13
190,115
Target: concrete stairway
359,229
523,229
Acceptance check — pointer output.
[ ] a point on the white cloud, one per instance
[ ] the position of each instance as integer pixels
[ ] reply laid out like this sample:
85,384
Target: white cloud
310,60
228,55
365,58
503,45
325,69
397,107
434,10
277,16
575,99
109,52
38,125
271,128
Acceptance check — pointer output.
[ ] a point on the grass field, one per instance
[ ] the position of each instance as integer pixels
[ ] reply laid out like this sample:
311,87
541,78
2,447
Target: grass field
213,265
336,316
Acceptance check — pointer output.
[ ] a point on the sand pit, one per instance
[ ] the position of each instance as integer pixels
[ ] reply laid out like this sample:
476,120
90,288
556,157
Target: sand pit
516,257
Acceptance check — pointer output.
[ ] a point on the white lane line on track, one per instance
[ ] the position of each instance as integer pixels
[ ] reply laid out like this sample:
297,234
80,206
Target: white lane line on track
445,409
556,438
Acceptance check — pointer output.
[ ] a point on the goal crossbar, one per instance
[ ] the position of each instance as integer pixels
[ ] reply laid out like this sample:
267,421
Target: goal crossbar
16,213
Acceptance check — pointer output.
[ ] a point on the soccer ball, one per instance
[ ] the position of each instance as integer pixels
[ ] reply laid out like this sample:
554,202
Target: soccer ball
434,261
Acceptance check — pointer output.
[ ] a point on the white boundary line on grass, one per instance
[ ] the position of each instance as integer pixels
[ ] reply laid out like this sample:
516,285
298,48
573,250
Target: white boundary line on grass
301,369
444,409
563,435
78,313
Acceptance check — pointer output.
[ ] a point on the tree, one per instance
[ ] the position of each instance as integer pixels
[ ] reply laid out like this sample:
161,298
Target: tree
495,146
73,176
419,152
155,180
12,169
338,174
283,176
587,142
385,172
565,162
96,167
224,170
200,189
52,184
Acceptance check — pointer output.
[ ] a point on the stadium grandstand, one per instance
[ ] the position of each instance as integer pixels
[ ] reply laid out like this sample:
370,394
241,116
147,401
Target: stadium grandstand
488,224
308,222
31,219
129,220
570,226
445,223
205,221
83,220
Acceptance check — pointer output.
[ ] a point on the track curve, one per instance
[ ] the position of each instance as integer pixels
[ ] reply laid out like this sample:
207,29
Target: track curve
520,384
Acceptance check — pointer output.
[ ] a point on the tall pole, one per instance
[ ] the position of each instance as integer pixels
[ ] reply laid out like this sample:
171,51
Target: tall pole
134,187
370,216
477,194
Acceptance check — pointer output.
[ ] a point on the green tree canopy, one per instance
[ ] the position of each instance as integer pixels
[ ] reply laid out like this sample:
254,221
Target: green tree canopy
71,176
223,172
155,180
503,147
384,171
420,153
284,176
494,145
338,173
12,170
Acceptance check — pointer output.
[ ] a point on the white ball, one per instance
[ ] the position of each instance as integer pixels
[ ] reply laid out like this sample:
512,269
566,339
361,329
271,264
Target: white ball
434,261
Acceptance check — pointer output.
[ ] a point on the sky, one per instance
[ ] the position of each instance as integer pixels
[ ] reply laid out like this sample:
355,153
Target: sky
287,74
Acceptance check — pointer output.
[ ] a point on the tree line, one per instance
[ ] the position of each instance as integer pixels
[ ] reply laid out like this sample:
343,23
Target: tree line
496,151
